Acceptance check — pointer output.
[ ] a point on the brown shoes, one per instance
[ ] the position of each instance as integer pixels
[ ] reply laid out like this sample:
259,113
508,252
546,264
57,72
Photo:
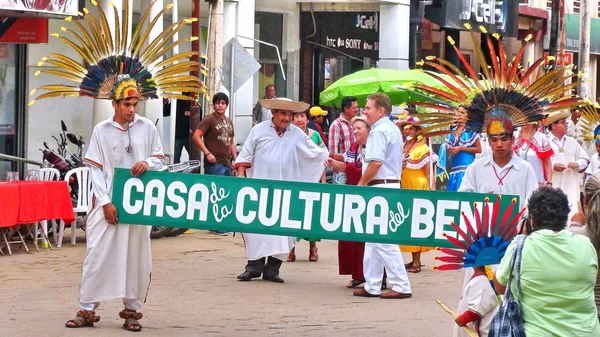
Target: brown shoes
394,294
363,293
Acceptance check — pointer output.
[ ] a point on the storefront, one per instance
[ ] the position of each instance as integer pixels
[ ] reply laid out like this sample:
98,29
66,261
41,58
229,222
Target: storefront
335,44
24,23
572,48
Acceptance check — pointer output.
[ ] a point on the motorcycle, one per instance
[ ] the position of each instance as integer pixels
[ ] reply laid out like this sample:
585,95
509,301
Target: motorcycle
192,166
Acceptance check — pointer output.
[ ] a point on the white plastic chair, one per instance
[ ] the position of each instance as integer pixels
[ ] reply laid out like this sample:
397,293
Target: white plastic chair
45,174
83,201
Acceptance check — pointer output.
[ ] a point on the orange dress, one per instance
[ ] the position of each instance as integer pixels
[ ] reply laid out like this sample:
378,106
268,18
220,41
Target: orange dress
414,177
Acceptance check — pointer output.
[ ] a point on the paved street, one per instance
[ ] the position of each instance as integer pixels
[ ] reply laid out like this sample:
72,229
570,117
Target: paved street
194,292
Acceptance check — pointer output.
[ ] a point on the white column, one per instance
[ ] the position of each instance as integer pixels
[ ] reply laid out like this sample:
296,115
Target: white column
153,107
102,107
394,34
292,48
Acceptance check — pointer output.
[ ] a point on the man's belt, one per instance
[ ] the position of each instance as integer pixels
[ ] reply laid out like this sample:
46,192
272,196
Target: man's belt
384,181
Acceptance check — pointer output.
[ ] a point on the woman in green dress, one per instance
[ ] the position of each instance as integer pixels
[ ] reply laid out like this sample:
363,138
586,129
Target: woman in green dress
301,120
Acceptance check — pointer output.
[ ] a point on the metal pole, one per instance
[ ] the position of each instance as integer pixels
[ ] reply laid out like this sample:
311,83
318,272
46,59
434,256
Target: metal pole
584,48
231,92
195,108
20,160
173,119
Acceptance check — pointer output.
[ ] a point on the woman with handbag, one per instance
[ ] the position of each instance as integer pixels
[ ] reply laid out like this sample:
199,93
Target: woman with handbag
554,273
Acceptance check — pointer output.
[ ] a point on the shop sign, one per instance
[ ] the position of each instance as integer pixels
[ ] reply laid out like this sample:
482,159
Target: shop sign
566,59
497,16
572,34
352,33
335,212
40,8
23,30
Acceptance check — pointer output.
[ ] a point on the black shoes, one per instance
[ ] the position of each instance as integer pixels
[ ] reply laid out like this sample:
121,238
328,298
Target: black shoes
274,278
247,276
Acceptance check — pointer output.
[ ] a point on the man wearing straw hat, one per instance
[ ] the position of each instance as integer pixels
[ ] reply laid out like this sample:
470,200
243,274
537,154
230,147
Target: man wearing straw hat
277,150
382,168
569,160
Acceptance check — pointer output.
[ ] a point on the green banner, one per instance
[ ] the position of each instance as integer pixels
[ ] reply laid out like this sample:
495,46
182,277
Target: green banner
336,212
572,34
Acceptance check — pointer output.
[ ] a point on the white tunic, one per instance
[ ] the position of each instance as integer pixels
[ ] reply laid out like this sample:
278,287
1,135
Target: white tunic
534,151
479,297
567,150
515,178
594,166
292,156
118,259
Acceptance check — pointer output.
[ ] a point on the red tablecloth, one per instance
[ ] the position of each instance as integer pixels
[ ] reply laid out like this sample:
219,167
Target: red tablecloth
32,201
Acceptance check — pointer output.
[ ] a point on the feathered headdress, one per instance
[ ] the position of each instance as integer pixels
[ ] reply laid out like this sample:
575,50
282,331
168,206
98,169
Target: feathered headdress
507,97
115,69
590,122
483,247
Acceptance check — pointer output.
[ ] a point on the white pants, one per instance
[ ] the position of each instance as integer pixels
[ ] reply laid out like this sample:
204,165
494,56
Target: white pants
380,255
130,303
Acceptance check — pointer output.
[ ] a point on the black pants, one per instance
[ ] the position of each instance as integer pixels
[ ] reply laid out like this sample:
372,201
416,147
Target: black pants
258,267
180,144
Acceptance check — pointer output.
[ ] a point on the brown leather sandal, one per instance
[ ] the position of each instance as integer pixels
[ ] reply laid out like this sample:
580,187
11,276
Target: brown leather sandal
131,318
83,318
313,255
292,256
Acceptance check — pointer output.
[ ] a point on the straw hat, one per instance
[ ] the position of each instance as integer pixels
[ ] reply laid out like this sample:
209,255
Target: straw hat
284,104
555,117
409,121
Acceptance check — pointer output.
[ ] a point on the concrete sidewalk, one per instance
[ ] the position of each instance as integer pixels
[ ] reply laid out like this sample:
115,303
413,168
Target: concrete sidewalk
194,292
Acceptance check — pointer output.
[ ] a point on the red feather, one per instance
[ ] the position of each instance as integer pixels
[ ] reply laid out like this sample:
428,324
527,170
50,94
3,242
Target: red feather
457,242
461,233
468,67
433,106
449,267
507,214
495,215
530,70
477,220
470,228
452,252
503,64
510,230
450,259
516,62
457,91
438,92
448,72
492,50
486,217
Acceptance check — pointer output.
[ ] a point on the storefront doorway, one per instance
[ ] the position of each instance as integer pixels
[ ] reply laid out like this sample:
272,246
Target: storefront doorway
13,87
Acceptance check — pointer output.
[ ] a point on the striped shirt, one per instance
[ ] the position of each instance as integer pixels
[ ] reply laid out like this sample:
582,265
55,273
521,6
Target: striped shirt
340,135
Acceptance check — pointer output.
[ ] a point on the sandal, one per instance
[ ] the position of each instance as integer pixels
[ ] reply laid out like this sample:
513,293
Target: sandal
292,256
83,318
354,283
131,318
313,255
414,269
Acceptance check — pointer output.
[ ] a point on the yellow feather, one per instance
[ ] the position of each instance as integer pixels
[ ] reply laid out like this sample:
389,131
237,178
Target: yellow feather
53,94
77,49
175,58
166,49
62,74
148,30
108,39
125,26
94,27
67,68
160,41
118,49
68,61
90,41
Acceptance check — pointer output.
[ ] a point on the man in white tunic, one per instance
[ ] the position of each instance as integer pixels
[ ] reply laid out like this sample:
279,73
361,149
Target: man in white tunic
569,160
383,168
277,150
118,256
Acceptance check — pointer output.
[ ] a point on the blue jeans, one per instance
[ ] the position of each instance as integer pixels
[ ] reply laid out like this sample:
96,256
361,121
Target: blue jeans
217,169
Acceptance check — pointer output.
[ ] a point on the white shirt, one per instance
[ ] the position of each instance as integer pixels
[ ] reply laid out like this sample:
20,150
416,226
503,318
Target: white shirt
292,156
515,178
567,150
108,150
594,166
532,151
479,297
384,145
